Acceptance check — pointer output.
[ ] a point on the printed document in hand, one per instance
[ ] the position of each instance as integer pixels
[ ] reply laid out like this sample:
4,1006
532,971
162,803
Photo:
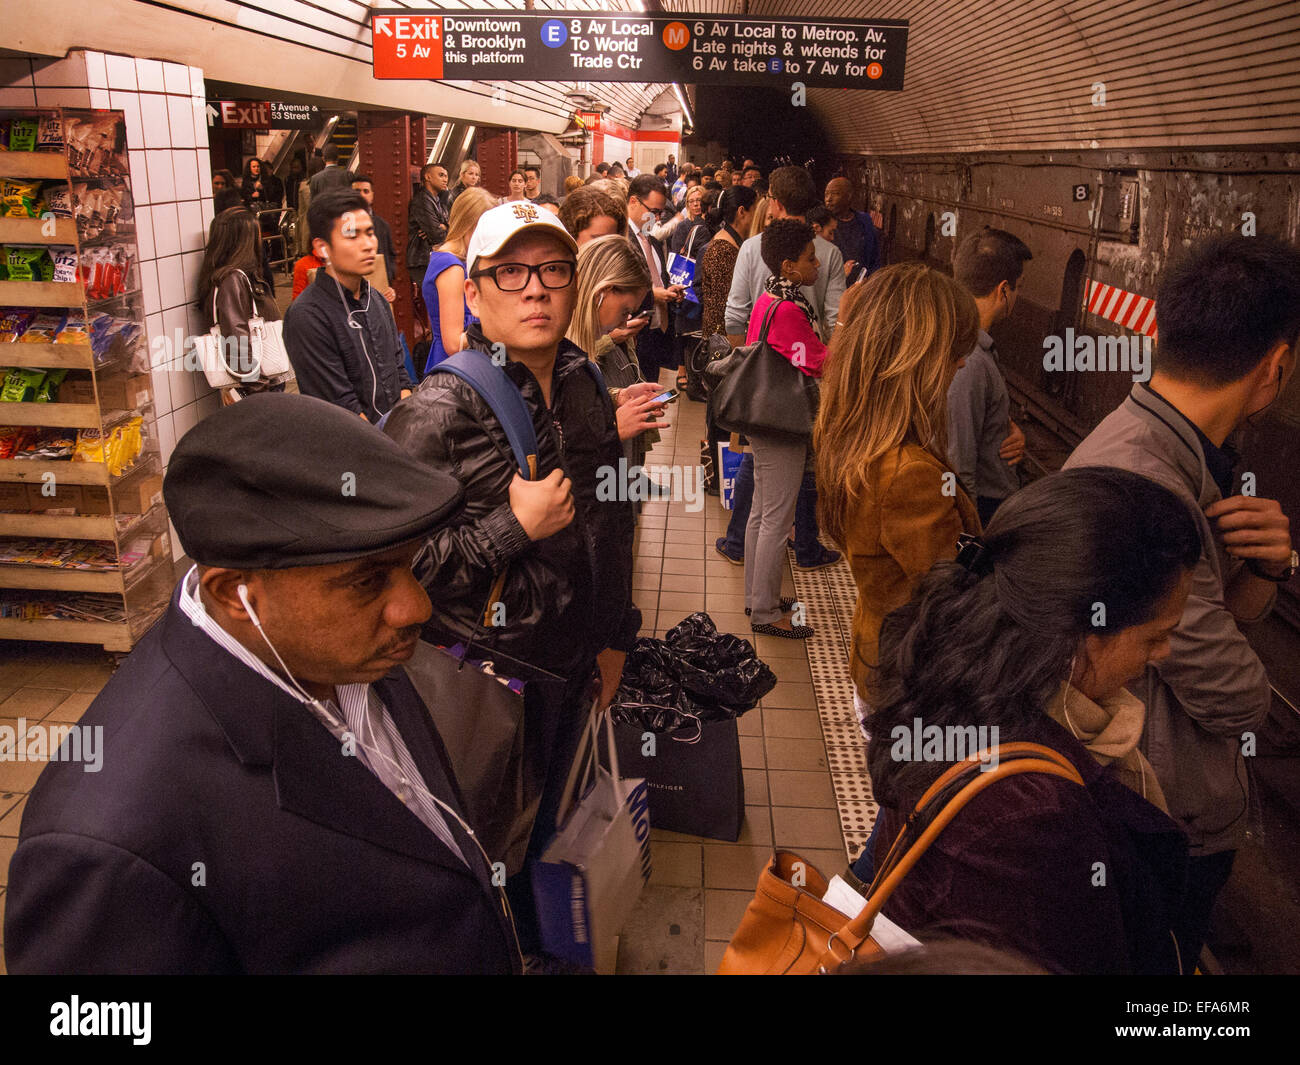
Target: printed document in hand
888,936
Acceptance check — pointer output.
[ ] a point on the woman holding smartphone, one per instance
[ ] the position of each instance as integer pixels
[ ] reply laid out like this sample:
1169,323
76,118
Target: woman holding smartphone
612,281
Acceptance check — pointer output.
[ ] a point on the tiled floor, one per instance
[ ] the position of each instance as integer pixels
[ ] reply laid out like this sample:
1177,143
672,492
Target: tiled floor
803,760
804,770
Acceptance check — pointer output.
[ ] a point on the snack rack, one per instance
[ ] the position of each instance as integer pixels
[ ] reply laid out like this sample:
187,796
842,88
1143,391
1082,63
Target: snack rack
109,507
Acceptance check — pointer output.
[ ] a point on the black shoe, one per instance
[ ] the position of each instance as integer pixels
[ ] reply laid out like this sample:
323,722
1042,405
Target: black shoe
827,558
796,632
720,546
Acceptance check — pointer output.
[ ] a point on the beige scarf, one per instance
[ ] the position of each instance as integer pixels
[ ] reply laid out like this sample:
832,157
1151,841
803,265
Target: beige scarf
1110,730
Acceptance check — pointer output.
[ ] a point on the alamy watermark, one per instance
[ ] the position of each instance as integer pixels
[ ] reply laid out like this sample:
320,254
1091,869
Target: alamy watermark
945,743
644,484
53,743
1131,354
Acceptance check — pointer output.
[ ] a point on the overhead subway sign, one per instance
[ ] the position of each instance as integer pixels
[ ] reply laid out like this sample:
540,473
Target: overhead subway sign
597,46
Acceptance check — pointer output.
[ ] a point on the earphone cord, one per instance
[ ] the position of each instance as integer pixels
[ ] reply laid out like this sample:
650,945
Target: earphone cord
361,331
319,709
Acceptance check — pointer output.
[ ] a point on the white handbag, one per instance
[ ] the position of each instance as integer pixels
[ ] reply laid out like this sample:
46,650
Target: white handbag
224,364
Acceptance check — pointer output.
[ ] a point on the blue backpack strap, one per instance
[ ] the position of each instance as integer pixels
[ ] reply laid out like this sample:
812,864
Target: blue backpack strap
489,380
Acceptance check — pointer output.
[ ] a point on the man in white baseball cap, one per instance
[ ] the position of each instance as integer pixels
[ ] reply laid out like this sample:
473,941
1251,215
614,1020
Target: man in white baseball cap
566,604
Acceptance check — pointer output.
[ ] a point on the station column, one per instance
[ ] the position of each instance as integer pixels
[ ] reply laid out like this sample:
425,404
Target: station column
391,143
498,154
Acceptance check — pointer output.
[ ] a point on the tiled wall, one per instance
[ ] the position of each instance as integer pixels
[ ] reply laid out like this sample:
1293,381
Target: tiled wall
171,180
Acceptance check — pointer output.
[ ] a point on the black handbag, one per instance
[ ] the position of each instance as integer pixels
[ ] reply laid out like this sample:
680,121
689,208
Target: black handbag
761,393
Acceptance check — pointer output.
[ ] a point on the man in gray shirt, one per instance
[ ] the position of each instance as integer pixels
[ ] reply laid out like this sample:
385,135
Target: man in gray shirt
1229,333
984,444
792,193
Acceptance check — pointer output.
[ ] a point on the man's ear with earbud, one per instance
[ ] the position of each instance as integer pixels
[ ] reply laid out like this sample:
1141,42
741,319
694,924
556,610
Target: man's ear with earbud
227,591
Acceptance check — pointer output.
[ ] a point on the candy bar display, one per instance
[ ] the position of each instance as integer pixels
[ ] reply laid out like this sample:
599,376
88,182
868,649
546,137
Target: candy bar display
77,606
95,556
94,531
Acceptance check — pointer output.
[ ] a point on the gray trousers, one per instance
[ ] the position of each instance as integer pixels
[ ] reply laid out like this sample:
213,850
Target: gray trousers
778,472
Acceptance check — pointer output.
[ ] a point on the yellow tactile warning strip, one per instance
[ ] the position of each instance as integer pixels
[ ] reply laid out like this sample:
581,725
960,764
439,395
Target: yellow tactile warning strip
830,595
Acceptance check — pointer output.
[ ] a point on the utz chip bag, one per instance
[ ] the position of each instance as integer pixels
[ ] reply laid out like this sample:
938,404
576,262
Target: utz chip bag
44,328
64,261
13,324
74,331
58,200
27,263
22,199
49,388
49,135
22,134
20,385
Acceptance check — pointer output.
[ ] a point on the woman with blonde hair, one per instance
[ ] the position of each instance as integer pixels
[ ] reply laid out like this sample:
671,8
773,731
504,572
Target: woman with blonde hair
884,489
443,287
469,177
611,282
759,221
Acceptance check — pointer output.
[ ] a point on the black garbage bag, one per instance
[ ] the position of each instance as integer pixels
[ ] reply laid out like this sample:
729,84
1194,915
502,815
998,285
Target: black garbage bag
696,674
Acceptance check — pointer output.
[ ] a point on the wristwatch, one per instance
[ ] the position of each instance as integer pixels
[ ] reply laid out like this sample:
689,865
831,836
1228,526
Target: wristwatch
1290,571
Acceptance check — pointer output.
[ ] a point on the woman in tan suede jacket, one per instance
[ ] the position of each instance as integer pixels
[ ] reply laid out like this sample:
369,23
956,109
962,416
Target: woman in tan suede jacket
884,492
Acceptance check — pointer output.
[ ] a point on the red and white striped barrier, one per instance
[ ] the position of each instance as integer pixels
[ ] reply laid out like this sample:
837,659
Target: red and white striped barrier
1123,308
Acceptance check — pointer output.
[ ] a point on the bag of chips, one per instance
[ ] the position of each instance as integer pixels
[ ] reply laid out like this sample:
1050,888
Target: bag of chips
13,324
123,445
49,137
20,385
74,331
22,199
8,441
58,200
22,134
27,263
51,444
65,263
89,447
49,388
44,328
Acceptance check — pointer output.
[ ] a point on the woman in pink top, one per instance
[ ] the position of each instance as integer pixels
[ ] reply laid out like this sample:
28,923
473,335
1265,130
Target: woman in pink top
788,251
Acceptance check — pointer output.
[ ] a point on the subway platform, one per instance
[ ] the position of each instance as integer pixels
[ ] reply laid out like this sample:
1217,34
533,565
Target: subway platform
804,763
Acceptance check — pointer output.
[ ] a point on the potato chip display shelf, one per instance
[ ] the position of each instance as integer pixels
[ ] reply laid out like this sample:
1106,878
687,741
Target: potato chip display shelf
57,501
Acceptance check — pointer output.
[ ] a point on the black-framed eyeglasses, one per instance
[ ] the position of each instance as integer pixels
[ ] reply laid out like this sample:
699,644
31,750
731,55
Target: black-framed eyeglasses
515,277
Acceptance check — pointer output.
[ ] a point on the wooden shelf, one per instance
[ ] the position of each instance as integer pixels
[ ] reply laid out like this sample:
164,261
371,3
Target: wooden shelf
29,471
32,231
47,356
42,294
57,526
114,636
51,415
33,165
53,578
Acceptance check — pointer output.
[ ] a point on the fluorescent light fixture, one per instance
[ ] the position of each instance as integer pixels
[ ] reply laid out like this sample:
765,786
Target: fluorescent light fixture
686,109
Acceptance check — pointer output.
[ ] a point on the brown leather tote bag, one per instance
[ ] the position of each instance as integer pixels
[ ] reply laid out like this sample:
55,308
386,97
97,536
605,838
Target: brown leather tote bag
788,929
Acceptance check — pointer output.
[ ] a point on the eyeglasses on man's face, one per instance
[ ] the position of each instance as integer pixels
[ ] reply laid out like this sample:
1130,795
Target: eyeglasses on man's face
515,277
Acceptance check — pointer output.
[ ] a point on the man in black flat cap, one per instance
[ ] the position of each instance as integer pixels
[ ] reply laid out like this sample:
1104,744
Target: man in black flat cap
273,796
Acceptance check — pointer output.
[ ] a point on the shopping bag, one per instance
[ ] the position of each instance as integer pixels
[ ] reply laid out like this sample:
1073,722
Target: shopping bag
681,271
480,718
729,459
590,875
693,777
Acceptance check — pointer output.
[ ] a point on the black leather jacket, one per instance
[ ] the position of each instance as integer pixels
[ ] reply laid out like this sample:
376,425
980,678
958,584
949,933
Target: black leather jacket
566,597
426,228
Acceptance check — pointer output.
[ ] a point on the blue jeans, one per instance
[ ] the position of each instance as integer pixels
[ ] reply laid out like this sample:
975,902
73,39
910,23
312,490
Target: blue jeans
807,546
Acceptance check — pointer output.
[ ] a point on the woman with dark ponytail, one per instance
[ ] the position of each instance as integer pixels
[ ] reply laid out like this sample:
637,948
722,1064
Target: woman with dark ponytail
1030,635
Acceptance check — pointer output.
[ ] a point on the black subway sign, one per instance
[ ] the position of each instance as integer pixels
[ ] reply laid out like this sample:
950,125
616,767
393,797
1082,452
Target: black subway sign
592,46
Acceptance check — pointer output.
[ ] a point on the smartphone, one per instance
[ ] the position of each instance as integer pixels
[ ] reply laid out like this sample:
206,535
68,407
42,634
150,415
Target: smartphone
644,316
666,397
